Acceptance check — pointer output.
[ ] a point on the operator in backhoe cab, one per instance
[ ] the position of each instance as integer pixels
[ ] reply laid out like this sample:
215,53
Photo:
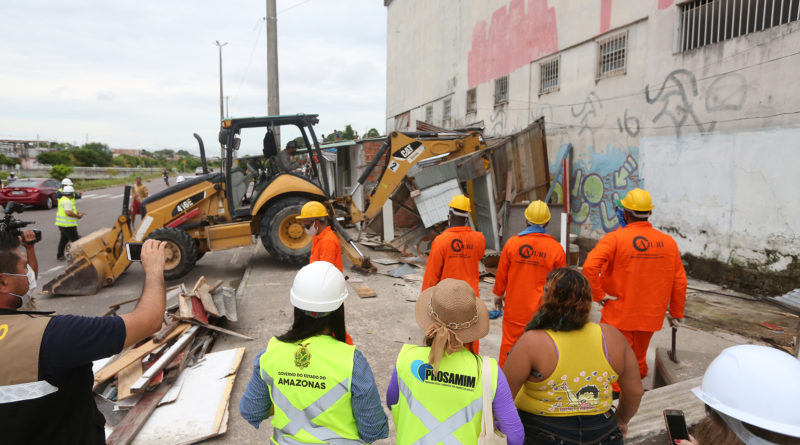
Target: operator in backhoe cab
46,382
285,159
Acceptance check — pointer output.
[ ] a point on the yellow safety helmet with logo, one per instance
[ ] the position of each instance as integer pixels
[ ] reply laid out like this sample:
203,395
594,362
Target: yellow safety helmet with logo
637,200
313,209
461,205
537,213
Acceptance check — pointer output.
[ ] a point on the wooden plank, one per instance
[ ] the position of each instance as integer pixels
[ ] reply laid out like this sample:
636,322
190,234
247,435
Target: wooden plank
129,427
133,355
126,379
184,305
362,289
208,302
165,330
214,328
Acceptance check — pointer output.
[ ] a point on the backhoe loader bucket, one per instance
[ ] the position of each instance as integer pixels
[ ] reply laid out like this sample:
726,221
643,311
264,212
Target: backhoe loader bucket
96,260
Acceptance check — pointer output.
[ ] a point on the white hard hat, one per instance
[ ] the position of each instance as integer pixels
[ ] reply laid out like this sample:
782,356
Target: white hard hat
753,384
66,181
318,287
12,173
180,179
68,189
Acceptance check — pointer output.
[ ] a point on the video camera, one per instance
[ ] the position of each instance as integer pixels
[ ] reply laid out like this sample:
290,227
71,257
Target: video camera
12,225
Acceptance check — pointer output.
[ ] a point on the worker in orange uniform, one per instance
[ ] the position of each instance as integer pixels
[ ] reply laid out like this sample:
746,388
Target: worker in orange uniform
526,260
636,273
456,252
324,243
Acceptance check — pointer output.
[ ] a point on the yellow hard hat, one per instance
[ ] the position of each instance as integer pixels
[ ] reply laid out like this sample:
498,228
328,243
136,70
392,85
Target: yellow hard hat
537,213
313,209
461,203
637,200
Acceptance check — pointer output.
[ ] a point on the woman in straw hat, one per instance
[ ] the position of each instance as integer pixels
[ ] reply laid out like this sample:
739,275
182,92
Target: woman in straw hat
442,390
316,388
563,366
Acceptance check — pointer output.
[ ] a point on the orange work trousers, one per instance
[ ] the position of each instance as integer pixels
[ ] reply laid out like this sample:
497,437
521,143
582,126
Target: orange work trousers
639,341
511,333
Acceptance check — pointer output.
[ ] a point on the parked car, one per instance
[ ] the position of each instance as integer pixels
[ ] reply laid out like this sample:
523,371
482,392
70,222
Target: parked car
31,191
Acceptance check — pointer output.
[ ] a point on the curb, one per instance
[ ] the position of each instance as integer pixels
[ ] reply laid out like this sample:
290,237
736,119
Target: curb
247,272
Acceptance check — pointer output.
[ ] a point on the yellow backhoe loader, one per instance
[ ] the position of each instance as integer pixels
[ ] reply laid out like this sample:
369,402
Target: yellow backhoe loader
223,210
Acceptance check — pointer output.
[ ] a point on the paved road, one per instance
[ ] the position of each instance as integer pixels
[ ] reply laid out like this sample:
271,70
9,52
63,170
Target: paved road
102,207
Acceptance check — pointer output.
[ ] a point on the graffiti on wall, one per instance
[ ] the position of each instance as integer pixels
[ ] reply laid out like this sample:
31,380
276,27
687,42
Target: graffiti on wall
511,40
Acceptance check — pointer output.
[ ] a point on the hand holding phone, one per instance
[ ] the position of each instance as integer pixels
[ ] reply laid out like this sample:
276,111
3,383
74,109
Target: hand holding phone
676,425
134,251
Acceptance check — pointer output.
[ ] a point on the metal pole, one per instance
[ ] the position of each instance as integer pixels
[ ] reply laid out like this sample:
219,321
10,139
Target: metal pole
227,107
221,109
273,99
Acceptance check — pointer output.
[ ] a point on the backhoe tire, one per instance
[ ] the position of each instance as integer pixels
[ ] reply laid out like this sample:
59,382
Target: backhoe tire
284,238
181,251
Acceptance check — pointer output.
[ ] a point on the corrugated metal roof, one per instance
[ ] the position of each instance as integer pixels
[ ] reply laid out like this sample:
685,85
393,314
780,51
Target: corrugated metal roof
791,298
338,144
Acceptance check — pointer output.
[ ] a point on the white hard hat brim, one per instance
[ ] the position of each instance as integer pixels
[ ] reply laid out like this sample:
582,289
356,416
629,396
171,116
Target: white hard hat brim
314,306
761,422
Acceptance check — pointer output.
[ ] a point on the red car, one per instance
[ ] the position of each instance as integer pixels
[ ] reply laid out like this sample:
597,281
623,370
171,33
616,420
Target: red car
31,191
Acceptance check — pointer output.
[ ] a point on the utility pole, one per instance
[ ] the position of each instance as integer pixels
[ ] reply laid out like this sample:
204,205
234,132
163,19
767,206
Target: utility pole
221,110
273,100
227,107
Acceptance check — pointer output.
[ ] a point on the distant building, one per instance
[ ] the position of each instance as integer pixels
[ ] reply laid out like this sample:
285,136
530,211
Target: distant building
24,150
126,151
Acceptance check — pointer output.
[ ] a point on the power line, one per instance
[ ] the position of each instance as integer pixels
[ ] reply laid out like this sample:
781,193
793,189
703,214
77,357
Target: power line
293,6
259,26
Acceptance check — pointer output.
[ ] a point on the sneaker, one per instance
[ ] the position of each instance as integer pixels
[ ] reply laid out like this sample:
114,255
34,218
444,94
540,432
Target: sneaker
60,258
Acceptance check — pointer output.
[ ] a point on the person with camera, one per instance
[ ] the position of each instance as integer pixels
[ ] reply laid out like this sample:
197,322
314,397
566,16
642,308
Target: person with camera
46,378
67,220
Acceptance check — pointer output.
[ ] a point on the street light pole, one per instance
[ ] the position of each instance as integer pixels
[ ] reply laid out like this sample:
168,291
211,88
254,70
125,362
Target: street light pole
221,109
273,101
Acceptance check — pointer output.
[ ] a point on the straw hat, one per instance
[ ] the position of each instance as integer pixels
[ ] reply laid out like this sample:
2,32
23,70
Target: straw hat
454,303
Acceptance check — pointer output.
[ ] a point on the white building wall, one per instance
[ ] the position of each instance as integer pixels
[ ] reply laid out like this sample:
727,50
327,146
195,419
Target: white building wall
716,124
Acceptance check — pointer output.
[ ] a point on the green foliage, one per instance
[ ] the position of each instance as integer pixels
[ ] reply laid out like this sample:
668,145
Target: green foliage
112,172
301,143
184,153
372,133
348,133
3,175
5,160
60,171
91,154
54,158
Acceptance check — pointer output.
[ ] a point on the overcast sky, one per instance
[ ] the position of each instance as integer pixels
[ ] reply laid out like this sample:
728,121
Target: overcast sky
145,74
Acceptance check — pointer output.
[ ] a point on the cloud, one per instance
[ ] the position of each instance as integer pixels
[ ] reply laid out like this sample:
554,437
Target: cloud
146,74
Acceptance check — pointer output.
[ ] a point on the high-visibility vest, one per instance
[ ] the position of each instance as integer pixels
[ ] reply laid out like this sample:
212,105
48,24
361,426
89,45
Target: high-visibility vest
62,219
309,385
434,408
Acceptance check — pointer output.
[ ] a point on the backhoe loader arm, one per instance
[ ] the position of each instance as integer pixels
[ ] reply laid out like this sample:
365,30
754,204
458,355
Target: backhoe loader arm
403,151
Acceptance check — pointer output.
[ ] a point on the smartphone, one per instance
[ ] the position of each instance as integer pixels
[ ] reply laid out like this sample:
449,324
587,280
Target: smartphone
676,425
134,251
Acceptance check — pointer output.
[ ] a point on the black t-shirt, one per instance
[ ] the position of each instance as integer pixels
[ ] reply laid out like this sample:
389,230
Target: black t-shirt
72,341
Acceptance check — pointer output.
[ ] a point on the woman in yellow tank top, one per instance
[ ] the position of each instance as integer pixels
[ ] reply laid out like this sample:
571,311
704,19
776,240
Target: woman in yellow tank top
562,368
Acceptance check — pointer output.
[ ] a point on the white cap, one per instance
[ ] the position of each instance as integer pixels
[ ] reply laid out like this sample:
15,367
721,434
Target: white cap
318,287
68,189
758,385
66,181
12,173
180,179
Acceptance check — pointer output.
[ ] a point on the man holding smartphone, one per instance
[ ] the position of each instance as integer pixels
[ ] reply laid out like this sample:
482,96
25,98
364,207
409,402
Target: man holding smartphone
46,378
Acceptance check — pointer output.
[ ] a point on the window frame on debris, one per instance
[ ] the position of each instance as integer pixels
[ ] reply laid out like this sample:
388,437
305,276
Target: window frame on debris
447,109
472,101
549,75
612,55
429,113
402,121
501,91
706,22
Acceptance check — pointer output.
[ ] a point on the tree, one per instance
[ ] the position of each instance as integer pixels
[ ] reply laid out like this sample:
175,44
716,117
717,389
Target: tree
5,160
91,154
184,153
348,134
372,133
301,143
60,171
53,158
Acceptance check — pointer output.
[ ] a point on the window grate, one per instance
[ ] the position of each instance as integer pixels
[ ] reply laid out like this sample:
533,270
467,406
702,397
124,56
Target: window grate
429,114
612,55
548,75
705,22
501,90
446,109
402,121
472,101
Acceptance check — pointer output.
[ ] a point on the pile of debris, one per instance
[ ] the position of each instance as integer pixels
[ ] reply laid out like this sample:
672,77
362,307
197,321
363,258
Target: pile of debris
169,388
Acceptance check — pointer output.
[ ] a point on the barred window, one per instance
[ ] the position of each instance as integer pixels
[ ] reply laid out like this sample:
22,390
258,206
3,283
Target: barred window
548,75
472,101
402,121
705,22
446,109
501,90
612,54
429,114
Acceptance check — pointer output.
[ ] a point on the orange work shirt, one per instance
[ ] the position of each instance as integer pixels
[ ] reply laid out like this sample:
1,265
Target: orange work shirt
455,253
524,264
325,247
642,267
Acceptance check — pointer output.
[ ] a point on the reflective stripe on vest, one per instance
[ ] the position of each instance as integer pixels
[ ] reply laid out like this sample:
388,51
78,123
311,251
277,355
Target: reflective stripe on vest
301,419
439,431
62,219
26,391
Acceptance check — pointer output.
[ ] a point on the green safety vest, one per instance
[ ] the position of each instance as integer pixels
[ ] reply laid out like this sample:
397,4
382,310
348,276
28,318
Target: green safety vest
309,385
62,219
442,408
